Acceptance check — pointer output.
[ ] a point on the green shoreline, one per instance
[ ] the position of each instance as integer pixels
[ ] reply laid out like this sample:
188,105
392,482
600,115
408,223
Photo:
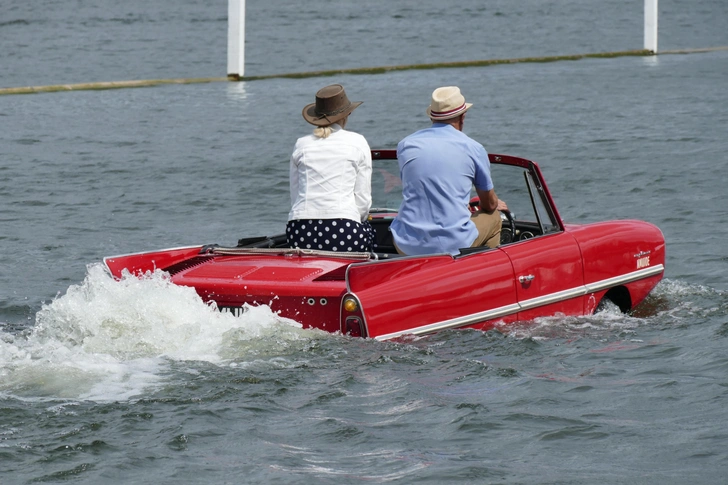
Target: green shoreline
334,72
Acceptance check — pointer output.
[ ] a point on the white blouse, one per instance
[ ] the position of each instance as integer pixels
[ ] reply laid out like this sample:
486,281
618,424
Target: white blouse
331,178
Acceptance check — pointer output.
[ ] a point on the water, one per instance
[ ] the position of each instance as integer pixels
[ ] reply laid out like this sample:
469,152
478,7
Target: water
140,381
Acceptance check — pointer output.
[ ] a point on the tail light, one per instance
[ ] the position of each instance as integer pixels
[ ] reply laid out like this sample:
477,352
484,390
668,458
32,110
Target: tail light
352,317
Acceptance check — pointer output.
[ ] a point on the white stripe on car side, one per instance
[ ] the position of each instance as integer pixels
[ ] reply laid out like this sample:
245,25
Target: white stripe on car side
527,304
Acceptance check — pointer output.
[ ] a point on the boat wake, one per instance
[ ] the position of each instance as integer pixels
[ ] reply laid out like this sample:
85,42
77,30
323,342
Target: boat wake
671,303
116,340
109,339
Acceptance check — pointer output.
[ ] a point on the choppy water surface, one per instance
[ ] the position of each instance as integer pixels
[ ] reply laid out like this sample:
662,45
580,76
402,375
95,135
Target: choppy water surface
105,381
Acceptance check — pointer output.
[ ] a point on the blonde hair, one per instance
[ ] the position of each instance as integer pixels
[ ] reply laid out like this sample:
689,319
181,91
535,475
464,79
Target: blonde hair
322,131
325,131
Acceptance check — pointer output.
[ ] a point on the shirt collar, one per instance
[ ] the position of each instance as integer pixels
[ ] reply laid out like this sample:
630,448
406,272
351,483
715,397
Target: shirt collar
435,124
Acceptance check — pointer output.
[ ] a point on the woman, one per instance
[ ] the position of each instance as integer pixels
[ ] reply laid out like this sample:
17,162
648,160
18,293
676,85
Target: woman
331,173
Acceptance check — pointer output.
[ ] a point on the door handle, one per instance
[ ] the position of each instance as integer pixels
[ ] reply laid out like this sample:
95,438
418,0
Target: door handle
526,279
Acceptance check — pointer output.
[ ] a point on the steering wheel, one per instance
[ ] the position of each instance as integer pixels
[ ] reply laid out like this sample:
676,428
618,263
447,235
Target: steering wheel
507,237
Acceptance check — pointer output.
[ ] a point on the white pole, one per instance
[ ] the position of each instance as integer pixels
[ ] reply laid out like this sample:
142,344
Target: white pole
236,39
651,25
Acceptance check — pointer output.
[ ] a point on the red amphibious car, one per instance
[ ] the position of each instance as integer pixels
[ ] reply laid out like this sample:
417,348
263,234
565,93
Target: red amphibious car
543,267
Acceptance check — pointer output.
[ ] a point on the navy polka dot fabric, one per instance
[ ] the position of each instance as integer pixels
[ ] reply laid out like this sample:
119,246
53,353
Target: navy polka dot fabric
330,235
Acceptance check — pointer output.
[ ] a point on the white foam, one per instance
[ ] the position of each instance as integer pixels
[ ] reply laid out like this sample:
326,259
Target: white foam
110,339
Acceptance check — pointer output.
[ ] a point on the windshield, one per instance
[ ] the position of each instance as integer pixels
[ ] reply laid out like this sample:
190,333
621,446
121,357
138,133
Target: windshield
510,186
515,184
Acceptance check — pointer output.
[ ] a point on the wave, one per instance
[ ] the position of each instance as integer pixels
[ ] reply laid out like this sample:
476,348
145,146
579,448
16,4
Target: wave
672,302
14,22
109,339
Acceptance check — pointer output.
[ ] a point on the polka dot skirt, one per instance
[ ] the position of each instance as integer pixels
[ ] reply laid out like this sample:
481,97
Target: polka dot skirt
330,235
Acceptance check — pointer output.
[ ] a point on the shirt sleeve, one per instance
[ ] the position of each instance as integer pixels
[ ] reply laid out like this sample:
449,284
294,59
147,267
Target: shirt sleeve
363,185
293,175
482,179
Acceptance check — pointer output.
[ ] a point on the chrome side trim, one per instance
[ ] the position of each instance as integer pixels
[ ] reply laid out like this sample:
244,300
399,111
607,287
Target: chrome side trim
626,278
527,304
552,298
456,322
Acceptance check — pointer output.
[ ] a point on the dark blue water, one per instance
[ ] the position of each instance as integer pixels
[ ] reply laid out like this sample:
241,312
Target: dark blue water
139,381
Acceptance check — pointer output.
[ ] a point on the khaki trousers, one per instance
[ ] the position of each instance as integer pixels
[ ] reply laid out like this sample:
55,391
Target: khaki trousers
489,228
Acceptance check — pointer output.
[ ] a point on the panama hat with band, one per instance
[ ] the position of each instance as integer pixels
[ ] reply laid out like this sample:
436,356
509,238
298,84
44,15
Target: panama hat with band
331,105
447,103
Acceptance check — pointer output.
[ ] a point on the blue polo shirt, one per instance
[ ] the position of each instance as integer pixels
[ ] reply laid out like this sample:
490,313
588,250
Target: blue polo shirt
438,166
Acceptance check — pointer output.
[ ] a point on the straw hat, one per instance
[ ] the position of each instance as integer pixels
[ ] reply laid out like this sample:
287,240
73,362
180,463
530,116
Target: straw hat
447,103
331,106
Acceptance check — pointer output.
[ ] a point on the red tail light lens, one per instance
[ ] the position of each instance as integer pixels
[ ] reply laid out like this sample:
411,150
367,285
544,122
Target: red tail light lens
352,317
353,326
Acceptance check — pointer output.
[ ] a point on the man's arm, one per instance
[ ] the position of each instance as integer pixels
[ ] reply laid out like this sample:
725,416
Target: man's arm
489,201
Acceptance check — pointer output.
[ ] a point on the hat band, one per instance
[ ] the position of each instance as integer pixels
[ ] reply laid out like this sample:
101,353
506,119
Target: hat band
332,113
446,114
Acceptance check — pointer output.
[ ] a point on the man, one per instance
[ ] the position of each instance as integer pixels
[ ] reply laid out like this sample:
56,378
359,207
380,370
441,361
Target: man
439,166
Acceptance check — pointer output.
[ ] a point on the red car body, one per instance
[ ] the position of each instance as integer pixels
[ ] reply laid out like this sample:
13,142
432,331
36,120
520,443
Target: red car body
543,267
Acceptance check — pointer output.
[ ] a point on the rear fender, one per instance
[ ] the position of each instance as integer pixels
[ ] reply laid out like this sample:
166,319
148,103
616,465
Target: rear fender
140,263
420,295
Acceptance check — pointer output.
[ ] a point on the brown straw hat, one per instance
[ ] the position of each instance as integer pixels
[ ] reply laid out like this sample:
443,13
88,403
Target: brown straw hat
447,103
331,106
